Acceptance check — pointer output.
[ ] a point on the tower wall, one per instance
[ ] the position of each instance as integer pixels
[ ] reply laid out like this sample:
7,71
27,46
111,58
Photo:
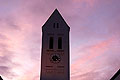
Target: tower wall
54,59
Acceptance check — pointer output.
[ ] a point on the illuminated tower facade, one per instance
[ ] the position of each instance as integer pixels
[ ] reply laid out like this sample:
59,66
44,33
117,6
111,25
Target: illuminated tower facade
55,49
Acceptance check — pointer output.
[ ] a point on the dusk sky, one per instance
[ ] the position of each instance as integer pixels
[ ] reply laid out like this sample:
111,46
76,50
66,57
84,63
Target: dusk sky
94,37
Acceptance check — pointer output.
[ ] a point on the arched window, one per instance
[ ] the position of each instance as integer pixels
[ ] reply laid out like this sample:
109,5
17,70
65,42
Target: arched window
51,43
59,42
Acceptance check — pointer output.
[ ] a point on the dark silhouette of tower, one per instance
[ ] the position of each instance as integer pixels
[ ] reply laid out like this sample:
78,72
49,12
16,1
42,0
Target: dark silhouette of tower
116,76
55,49
1,78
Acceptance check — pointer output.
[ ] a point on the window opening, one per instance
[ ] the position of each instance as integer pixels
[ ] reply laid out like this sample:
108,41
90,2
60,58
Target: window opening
57,25
59,42
51,43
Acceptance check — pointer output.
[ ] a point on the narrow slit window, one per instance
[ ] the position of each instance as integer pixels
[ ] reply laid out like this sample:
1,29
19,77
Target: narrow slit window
57,25
51,43
53,25
59,42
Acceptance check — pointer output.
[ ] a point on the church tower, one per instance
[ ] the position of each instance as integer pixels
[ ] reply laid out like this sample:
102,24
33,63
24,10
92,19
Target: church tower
55,64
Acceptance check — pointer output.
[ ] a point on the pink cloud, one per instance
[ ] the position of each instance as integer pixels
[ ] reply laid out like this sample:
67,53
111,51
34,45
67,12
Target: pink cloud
89,2
90,21
31,74
87,64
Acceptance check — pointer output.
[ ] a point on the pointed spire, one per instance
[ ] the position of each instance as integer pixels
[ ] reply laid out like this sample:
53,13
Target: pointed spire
56,17
56,9
56,12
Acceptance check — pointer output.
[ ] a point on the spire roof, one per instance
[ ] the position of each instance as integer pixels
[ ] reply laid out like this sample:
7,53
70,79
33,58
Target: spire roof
56,17
116,76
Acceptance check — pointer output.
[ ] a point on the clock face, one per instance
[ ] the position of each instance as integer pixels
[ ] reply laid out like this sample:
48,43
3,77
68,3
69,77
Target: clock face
55,58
